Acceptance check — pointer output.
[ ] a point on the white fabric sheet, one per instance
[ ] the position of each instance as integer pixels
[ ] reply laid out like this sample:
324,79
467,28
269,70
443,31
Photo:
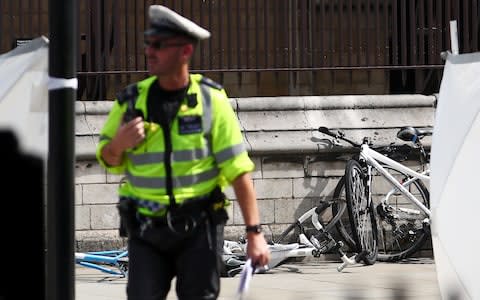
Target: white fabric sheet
24,95
455,165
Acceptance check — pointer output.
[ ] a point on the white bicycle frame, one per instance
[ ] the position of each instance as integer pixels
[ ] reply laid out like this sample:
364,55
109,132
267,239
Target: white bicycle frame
305,248
373,158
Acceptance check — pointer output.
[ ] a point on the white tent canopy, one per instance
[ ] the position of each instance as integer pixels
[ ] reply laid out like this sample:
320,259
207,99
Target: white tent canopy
455,165
24,95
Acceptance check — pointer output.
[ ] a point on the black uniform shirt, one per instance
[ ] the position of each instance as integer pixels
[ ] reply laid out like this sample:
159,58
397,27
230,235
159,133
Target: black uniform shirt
163,105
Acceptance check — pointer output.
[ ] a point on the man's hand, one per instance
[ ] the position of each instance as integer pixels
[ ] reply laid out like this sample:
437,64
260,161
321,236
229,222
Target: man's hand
128,136
257,249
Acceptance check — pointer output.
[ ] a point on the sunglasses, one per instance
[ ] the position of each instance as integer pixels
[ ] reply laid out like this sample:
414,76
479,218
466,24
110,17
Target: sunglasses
159,44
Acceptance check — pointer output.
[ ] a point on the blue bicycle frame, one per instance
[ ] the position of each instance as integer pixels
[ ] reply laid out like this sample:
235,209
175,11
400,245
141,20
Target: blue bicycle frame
114,262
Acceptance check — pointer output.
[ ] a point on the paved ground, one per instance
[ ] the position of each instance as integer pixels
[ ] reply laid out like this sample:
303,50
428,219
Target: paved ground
413,279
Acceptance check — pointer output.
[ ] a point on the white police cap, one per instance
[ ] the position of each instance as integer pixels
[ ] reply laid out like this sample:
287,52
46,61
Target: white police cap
166,22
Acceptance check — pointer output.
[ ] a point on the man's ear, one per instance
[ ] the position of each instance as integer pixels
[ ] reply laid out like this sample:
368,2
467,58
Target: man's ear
187,51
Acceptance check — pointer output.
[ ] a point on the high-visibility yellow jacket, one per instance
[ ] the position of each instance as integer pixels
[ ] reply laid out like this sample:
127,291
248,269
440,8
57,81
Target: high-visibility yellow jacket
202,156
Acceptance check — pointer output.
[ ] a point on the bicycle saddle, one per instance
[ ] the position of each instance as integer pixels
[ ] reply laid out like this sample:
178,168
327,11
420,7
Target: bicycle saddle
412,134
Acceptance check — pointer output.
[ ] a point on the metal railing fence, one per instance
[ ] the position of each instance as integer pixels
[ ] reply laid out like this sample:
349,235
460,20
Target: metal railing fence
268,47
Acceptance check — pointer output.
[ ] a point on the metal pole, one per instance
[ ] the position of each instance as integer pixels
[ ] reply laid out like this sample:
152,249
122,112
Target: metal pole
454,37
60,172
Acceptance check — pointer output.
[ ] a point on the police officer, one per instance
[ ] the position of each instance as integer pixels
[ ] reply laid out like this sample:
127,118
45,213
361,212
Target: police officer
176,138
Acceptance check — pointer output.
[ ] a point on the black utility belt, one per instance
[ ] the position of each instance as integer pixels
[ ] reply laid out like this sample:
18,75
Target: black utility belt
177,221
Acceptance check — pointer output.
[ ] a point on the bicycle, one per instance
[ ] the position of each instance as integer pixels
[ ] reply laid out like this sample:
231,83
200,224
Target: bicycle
313,243
402,210
113,262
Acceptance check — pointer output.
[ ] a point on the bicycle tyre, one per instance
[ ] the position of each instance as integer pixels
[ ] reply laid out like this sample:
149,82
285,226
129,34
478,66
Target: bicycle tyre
361,213
343,224
400,235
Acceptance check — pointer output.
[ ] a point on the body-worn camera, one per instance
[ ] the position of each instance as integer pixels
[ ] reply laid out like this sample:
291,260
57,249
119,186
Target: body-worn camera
132,114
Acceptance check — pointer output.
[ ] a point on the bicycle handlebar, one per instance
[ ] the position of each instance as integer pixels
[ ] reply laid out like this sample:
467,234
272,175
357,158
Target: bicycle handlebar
338,135
389,149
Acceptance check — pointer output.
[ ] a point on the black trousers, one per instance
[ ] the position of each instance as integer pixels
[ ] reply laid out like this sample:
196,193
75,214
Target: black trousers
159,255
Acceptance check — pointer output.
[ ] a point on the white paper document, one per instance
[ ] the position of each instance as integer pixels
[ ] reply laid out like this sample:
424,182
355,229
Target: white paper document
245,277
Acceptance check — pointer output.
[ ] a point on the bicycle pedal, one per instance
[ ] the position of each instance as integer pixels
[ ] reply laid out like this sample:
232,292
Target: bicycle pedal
324,245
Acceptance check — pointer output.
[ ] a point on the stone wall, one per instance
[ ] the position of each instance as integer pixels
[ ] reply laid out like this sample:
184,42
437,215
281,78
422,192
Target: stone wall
296,166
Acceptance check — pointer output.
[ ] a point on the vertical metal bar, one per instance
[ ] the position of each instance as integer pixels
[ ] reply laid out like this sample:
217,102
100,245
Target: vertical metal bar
105,50
395,40
2,25
466,28
448,18
266,30
41,28
403,34
454,37
388,30
431,42
349,21
210,42
247,30
276,40
412,26
287,34
332,39
257,42
351,39
13,34
293,42
440,31
60,188
79,38
475,20
116,42
220,39
323,34
145,6
202,48
31,12
89,39
239,43
229,35
135,33
418,33
456,16
377,32
367,34
341,48
360,39
421,33
303,52
403,39
20,19
313,39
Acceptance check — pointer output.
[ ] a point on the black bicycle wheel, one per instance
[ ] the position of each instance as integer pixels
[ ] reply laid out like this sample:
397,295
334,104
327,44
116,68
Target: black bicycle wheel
401,224
361,212
339,209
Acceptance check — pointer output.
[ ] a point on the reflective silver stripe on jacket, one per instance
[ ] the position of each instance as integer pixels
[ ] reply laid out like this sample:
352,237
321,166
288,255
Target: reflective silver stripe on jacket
178,181
230,152
207,111
177,156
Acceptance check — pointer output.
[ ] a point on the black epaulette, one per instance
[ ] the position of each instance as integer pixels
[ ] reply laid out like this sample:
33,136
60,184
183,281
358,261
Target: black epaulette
129,93
211,83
